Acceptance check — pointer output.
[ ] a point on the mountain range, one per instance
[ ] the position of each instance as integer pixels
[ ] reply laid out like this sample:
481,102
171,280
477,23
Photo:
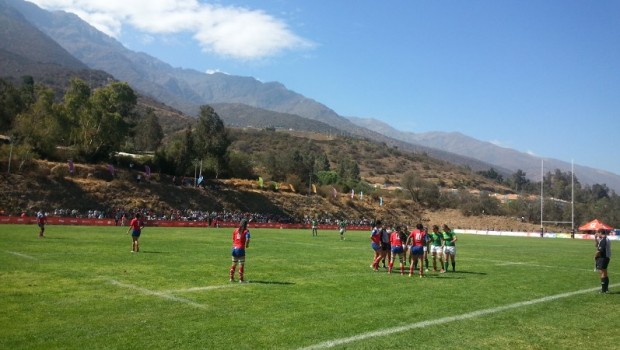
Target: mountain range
244,101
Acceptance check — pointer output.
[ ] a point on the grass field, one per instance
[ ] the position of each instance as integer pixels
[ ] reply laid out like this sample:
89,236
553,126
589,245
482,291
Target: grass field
81,288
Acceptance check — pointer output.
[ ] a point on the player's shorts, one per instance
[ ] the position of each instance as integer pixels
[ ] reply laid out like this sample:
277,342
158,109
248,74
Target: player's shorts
424,249
417,250
449,250
41,225
385,246
341,231
375,246
436,249
397,249
602,263
136,233
238,254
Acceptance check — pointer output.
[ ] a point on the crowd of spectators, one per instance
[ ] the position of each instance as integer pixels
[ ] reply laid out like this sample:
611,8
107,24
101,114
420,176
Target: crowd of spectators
121,214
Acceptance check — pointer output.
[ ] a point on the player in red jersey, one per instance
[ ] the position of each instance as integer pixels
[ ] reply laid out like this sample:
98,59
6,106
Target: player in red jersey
241,241
417,239
135,227
396,244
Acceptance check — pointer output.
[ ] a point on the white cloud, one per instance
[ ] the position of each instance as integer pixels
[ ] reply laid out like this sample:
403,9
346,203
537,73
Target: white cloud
229,31
213,71
531,153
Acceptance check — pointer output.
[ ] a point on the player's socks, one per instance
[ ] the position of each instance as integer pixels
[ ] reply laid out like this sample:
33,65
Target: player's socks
446,266
241,273
390,266
453,267
605,282
232,272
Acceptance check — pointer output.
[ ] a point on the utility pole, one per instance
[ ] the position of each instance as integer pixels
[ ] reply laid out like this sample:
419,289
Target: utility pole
10,153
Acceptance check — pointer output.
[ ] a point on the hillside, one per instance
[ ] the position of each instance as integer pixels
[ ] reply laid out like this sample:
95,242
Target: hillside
47,186
42,184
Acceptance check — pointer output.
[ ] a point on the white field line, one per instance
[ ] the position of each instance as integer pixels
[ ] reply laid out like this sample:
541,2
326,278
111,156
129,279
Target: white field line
443,320
158,294
198,289
21,255
512,263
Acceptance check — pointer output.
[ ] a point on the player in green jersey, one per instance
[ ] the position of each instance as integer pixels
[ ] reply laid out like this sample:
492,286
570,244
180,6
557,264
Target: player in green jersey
449,246
315,227
342,226
436,248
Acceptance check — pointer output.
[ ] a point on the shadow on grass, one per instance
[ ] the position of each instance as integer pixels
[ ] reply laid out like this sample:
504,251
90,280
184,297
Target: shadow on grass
469,272
152,252
271,282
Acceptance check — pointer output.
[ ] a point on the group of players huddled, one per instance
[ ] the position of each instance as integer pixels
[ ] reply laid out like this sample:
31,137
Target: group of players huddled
413,247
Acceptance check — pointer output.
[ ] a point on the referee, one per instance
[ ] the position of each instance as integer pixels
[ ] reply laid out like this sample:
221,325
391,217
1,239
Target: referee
603,254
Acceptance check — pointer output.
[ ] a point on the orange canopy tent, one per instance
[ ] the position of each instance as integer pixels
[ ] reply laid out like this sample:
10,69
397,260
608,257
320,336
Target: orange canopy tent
595,225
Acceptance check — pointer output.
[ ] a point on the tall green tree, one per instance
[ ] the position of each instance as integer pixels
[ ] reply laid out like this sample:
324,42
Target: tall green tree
77,106
211,140
106,125
148,133
11,105
38,126
518,180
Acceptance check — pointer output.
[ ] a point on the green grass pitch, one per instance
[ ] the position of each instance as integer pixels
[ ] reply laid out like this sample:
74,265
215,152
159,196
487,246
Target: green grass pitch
81,288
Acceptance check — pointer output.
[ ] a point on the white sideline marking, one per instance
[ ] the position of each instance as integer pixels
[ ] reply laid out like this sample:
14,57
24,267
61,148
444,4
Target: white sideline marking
198,289
158,294
509,263
423,324
21,255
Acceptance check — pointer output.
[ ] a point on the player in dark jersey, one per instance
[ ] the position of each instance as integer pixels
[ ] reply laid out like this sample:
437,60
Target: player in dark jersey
41,221
602,257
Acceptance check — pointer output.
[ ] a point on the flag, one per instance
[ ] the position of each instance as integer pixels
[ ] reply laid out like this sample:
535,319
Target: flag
334,192
352,194
260,182
111,169
313,188
147,170
71,167
381,201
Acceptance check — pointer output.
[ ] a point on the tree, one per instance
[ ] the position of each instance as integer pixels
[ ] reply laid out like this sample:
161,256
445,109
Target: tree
10,105
148,133
493,175
349,170
518,180
38,125
76,107
211,140
105,125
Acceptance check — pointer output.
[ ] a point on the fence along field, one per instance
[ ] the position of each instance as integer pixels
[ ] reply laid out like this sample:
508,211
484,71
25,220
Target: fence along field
80,287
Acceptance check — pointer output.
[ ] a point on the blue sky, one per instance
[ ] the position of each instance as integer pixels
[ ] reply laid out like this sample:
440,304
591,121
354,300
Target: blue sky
538,76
